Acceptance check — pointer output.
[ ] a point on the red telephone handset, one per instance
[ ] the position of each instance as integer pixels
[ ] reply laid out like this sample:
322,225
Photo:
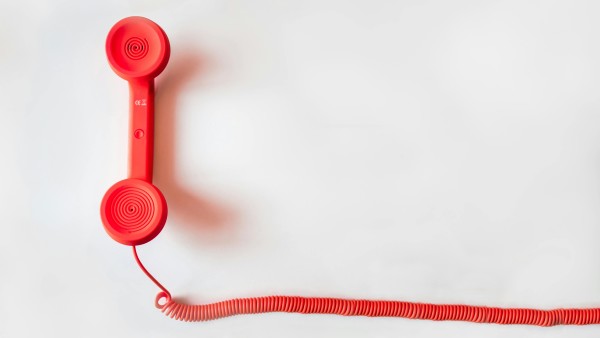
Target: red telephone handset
133,210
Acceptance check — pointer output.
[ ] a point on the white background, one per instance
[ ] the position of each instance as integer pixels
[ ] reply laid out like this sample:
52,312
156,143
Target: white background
431,151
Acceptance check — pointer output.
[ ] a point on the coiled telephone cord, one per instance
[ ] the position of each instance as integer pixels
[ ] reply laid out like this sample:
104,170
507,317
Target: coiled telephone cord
370,308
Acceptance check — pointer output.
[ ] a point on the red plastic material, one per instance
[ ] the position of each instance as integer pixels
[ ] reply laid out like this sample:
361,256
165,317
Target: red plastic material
366,307
376,308
134,211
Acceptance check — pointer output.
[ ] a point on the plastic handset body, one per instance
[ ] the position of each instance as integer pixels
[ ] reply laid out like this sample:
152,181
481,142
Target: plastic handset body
141,129
133,210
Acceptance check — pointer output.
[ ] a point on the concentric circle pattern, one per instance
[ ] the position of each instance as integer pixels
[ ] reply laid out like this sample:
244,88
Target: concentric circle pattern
131,208
136,48
133,211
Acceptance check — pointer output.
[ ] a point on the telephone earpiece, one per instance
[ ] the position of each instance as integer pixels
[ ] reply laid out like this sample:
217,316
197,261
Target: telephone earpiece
133,210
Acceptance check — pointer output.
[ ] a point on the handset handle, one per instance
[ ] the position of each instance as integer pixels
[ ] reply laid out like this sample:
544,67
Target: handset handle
141,129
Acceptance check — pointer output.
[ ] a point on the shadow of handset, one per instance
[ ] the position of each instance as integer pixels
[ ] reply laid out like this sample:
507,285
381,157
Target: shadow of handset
198,215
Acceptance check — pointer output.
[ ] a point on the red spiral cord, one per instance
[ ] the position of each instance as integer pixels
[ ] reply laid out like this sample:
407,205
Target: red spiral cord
371,308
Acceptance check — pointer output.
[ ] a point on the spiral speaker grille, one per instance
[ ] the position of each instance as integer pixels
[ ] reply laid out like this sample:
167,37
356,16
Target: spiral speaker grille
132,209
136,48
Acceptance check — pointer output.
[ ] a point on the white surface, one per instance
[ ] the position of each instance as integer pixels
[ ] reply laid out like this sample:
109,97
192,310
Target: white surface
433,151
